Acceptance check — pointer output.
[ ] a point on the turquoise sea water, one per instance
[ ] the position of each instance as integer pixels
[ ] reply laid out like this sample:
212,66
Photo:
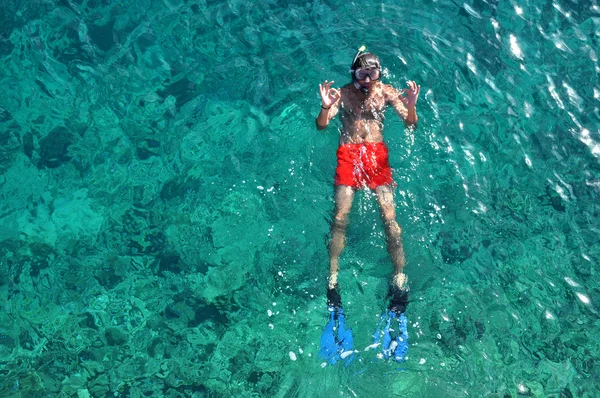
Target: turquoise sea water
165,198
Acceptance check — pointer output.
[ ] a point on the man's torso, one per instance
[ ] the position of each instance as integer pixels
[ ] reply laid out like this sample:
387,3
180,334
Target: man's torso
362,114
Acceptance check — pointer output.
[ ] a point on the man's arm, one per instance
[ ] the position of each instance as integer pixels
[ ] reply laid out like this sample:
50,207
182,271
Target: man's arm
326,115
330,99
408,114
411,116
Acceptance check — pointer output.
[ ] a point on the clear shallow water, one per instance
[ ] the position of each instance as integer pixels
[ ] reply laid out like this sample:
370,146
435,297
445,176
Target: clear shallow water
163,189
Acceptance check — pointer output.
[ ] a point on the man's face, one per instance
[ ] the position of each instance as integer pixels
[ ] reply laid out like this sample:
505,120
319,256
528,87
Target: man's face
367,77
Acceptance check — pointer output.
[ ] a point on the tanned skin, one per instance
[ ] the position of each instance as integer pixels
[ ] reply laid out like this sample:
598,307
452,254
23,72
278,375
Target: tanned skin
362,122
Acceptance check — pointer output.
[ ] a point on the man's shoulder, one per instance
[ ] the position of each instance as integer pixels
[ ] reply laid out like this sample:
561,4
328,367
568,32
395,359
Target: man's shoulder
348,91
390,92
388,88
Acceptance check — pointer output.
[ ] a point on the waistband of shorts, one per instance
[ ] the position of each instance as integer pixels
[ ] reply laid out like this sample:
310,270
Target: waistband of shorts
359,144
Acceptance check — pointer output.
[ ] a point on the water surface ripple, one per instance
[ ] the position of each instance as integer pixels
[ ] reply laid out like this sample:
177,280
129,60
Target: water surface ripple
165,198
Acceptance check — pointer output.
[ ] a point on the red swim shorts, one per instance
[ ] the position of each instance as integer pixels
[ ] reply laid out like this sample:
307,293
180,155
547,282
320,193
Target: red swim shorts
363,165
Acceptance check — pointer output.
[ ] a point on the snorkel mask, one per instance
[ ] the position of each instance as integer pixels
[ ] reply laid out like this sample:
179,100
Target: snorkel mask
364,60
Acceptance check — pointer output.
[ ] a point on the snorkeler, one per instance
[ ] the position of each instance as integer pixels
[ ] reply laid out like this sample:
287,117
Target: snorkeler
362,162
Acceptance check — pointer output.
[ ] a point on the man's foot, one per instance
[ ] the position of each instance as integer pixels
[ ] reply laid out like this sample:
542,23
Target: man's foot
392,332
336,339
398,300
334,300
394,342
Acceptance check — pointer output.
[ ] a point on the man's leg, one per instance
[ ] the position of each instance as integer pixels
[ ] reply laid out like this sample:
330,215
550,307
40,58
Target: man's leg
393,232
337,339
394,336
343,202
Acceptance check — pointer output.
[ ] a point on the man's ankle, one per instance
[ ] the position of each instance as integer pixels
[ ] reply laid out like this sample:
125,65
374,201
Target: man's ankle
400,281
332,281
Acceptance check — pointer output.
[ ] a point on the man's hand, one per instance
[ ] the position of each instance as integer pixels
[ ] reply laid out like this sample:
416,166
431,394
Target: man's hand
329,96
411,94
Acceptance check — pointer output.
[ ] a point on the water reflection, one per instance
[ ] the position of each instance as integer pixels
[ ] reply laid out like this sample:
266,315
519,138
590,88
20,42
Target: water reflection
190,131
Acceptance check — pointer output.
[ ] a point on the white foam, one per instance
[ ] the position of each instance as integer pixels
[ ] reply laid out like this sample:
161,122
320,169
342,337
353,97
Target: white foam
372,346
345,354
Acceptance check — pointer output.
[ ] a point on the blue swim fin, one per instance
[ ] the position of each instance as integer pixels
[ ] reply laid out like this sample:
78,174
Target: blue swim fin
336,340
392,331
395,337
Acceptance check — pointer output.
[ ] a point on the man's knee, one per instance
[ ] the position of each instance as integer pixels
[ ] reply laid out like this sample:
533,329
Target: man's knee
340,222
392,227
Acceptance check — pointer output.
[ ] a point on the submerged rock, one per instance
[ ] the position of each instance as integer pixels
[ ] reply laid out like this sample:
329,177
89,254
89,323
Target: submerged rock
54,148
115,336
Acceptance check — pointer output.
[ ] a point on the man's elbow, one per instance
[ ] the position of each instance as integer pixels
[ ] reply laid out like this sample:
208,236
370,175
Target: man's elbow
320,127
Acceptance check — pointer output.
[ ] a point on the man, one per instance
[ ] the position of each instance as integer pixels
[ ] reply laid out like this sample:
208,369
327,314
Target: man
363,163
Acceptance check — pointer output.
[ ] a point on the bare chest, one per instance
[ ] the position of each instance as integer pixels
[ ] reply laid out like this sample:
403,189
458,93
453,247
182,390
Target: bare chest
369,107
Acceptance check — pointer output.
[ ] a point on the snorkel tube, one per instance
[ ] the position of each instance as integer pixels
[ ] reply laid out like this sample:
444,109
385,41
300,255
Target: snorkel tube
358,86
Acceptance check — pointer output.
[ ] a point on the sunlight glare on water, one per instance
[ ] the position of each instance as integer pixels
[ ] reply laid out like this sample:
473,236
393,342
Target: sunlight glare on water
166,199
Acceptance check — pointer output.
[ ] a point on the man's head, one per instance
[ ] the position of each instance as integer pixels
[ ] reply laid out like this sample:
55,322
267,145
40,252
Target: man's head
366,60
366,69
